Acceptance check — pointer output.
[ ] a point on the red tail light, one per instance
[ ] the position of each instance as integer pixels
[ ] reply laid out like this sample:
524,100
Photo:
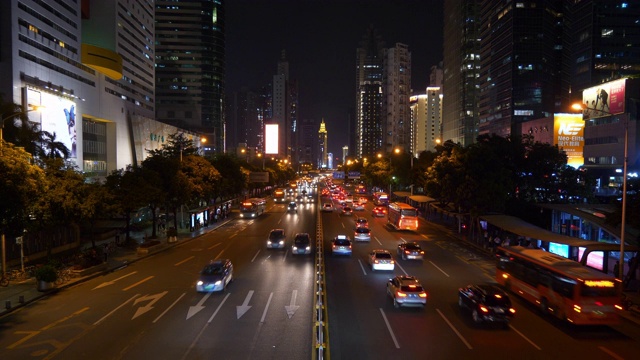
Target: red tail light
401,294
423,294
512,310
484,309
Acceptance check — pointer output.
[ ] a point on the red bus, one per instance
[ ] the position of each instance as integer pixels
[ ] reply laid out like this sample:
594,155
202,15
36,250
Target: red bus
402,216
559,286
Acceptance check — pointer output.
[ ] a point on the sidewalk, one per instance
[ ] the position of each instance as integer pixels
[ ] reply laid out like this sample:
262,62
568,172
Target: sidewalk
19,294
449,225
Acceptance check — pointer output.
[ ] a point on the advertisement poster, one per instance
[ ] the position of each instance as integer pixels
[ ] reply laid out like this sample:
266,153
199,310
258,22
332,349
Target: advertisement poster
271,139
568,134
604,100
58,117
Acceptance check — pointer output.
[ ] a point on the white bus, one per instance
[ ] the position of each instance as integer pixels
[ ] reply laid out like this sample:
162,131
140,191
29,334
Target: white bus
252,208
402,216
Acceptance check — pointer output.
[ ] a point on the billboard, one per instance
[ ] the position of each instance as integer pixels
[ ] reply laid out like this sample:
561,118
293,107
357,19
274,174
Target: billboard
604,100
58,117
568,135
271,139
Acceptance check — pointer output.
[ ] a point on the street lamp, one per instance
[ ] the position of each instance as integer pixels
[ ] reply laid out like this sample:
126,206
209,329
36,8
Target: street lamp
579,106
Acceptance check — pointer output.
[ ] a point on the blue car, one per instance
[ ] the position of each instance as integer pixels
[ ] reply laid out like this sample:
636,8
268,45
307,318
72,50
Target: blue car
215,276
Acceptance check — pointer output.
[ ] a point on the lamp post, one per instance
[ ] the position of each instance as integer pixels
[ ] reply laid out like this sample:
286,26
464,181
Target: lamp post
624,180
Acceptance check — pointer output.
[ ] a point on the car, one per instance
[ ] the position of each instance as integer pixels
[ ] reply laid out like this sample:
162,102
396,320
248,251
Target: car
327,207
349,199
410,251
362,234
406,291
486,303
379,211
215,276
358,207
347,211
361,200
277,239
292,207
341,245
311,198
380,259
362,222
301,244
300,198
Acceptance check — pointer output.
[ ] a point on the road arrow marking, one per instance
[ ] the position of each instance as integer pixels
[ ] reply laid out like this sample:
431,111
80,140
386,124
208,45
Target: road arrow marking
143,309
113,281
242,309
195,309
291,309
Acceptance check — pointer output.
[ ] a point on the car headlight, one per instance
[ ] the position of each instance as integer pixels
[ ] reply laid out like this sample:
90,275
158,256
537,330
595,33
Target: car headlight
200,283
268,242
218,282
281,242
308,248
295,248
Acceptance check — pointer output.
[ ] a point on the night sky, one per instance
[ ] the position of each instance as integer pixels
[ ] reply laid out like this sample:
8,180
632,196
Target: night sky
320,38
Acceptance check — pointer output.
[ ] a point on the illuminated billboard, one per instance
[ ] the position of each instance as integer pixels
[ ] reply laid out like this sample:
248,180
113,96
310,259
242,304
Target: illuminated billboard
568,134
604,99
271,139
58,117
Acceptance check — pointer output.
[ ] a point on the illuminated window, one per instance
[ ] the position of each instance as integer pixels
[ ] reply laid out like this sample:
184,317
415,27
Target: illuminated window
33,28
607,33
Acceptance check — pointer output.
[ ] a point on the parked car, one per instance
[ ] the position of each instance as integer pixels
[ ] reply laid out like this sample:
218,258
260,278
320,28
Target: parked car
277,239
341,245
381,260
362,234
215,276
486,303
410,251
406,291
301,244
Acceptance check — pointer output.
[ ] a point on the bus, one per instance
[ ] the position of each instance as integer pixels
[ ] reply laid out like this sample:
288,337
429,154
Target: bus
402,216
279,195
252,208
559,286
381,198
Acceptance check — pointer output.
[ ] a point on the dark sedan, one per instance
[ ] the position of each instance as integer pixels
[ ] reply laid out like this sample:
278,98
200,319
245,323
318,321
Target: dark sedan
487,303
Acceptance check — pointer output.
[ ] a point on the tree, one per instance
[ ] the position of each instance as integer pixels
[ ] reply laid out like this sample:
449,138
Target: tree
52,148
126,187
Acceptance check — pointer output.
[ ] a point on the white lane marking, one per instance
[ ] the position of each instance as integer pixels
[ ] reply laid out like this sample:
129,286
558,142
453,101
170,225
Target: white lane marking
116,309
113,281
264,313
232,236
439,268
218,308
362,267
285,255
403,240
242,309
214,245
291,309
401,268
169,308
255,256
526,338
611,353
424,236
218,257
393,336
197,307
455,330
183,261
138,283
375,237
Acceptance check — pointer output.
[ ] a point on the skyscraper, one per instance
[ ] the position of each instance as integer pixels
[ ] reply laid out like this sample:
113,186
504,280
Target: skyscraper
190,67
307,144
521,63
461,70
396,87
323,142
426,114
369,117
285,106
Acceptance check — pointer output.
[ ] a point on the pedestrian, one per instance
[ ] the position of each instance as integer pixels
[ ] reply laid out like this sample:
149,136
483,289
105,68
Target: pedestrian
616,269
497,242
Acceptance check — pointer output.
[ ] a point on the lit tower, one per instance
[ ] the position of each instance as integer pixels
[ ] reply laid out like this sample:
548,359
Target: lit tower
322,137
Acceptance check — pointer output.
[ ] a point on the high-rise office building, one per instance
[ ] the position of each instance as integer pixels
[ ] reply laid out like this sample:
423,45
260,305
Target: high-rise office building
426,116
245,123
307,143
369,117
190,67
520,57
461,71
323,143
284,104
396,88
90,63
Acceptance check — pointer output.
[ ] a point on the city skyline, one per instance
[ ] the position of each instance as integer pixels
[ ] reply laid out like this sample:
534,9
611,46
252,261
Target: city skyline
322,58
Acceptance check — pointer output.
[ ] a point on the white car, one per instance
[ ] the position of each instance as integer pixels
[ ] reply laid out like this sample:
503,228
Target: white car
358,207
381,260
327,207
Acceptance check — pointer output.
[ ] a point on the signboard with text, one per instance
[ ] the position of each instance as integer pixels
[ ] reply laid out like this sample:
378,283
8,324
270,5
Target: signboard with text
568,134
354,175
338,174
604,100
257,177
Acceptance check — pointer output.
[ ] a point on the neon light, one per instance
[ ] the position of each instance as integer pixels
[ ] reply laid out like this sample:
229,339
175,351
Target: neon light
599,283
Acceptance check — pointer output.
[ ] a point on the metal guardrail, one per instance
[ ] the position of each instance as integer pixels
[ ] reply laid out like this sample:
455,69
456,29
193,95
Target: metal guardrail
320,349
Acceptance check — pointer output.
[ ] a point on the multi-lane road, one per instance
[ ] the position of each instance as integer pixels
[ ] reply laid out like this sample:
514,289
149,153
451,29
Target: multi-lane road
150,309
363,323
